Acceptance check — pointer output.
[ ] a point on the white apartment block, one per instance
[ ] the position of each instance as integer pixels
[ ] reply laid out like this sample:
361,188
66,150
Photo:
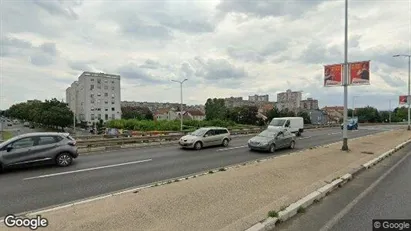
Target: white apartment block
95,96
259,98
289,99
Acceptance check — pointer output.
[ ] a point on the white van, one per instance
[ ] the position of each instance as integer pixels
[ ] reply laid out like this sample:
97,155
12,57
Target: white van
292,124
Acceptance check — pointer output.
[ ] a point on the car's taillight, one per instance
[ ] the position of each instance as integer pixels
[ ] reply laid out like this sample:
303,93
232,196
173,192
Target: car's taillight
72,143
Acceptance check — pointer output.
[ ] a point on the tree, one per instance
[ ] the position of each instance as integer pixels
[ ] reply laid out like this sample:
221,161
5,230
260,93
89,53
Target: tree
139,113
51,113
215,109
305,115
368,114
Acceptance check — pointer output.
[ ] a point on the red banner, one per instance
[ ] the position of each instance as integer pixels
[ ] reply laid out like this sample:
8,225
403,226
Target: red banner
333,75
403,99
360,73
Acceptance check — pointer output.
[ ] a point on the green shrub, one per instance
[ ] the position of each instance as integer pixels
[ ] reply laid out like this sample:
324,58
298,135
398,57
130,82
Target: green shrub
166,125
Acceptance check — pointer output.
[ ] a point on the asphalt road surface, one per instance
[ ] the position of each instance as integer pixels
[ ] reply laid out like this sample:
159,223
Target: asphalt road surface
377,193
95,174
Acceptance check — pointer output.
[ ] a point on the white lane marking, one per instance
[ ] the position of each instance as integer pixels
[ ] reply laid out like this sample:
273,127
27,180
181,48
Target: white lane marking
330,224
87,169
306,137
226,149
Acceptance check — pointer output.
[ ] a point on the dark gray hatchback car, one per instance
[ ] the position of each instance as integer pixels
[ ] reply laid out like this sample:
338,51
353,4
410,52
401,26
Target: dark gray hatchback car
43,147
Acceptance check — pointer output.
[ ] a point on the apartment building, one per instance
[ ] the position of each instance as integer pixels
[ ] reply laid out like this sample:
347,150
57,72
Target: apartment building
309,104
290,100
95,96
258,98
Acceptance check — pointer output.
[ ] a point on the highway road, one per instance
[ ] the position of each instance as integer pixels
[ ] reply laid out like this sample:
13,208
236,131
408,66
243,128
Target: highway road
99,173
382,192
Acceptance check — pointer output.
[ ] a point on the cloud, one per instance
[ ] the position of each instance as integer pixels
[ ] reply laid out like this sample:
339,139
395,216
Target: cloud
266,8
224,48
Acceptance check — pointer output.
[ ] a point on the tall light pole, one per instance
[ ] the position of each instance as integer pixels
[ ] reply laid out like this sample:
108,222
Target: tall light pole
345,80
181,101
409,77
74,112
389,111
353,105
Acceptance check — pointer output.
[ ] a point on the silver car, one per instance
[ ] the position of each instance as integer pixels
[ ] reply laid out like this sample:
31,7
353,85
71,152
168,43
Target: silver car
206,137
30,148
272,139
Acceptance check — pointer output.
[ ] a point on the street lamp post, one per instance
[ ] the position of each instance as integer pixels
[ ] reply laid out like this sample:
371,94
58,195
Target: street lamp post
181,101
353,105
409,77
345,81
389,111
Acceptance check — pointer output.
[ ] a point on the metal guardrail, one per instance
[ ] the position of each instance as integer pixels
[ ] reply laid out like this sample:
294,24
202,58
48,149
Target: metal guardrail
107,142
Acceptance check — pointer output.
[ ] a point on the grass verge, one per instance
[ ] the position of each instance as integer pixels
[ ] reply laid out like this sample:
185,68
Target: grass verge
6,135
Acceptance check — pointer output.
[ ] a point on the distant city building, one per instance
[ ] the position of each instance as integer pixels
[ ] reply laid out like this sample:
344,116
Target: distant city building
259,98
290,100
95,96
153,106
334,114
309,104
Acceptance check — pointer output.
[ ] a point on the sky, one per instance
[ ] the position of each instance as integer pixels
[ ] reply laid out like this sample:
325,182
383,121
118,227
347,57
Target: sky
224,48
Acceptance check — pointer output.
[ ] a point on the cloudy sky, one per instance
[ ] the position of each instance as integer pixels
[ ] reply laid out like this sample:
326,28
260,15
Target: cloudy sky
223,48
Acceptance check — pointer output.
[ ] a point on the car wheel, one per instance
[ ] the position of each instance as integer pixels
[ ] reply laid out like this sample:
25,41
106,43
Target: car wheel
298,133
198,145
225,142
64,159
272,148
292,145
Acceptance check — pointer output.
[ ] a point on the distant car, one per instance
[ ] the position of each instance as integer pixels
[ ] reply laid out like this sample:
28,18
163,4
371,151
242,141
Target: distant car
26,124
44,147
272,139
206,137
9,123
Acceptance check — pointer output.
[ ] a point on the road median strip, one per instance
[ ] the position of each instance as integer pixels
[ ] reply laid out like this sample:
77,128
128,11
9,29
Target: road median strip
247,190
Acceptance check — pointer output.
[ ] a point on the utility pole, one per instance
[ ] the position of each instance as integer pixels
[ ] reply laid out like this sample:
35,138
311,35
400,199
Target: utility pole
389,111
74,113
181,101
408,96
345,80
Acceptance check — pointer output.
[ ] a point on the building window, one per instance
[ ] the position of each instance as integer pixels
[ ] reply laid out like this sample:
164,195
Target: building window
92,101
99,94
91,86
112,82
92,109
92,80
106,102
92,116
112,88
98,86
105,80
98,81
106,116
112,102
113,109
98,101
105,87
106,94
106,109
91,95
99,116
113,116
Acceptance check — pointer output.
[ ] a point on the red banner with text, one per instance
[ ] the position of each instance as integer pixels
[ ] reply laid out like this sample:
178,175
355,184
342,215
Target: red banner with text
333,75
403,99
359,73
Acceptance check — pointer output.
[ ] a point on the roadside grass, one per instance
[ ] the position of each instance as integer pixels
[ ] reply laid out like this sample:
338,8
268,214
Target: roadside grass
6,135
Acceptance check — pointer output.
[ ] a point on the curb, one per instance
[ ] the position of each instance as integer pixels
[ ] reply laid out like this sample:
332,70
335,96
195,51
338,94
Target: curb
292,210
